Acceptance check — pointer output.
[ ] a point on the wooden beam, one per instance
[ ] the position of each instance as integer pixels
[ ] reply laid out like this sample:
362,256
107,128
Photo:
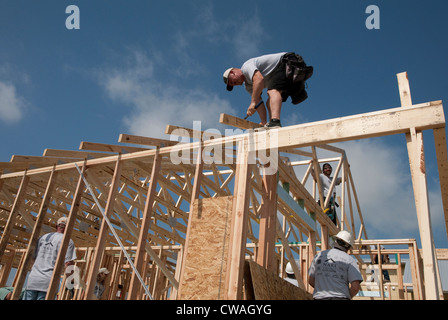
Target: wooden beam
237,245
146,220
108,147
74,154
198,176
424,116
60,260
18,201
28,258
418,173
442,163
113,190
237,122
268,220
127,138
373,124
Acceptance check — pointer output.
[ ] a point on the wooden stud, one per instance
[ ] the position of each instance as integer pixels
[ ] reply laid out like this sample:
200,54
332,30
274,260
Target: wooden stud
91,280
418,173
146,220
28,257
60,260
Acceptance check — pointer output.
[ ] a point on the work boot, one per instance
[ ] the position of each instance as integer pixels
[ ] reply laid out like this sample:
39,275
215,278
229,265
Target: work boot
273,123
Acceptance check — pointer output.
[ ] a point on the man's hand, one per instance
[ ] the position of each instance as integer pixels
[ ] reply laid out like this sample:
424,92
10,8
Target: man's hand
251,110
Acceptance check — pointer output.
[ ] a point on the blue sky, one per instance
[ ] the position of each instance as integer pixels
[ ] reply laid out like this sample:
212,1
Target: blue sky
136,66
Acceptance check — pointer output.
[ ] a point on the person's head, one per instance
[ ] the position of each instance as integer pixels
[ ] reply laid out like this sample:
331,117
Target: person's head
102,274
327,169
343,240
289,270
60,225
233,77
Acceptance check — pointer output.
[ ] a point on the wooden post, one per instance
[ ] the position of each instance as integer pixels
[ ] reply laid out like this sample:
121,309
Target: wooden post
194,195
13,214
28,258
442,163
268,220
146,220
60,260
91,280
237,245
418,172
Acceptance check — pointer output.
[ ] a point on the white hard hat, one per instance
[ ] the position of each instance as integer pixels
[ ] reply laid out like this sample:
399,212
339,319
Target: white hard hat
345,236
62,220
289,269
104,270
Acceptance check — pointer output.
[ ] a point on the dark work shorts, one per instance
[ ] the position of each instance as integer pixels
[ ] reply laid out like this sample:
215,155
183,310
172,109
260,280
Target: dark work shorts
277,80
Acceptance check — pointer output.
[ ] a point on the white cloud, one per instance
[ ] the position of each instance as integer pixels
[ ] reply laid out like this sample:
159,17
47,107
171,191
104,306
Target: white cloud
11,104
383,185
153,104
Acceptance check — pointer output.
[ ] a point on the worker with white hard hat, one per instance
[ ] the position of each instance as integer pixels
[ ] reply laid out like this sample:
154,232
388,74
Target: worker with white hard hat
334,274
290,276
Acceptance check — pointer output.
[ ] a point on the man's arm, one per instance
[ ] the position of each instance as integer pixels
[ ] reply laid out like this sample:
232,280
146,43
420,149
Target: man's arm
355,286
257,89
311,281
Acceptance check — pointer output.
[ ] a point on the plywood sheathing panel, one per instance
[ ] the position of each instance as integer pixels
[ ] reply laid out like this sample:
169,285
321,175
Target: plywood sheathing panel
205,263
267,285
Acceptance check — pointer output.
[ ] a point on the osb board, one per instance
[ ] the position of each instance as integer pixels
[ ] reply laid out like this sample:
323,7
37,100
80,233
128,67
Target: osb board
269,286
206,257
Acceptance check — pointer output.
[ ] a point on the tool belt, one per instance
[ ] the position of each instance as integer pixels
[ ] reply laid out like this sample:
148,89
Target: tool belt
296,68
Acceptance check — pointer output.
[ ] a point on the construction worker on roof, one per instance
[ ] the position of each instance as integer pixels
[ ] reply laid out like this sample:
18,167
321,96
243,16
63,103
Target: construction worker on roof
282,74
334,274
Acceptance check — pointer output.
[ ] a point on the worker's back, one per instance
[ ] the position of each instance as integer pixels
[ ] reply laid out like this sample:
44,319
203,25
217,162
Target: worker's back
333,270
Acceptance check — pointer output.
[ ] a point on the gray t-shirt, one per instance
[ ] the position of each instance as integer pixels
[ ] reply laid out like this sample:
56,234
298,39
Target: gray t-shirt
333,271
45,259
264,64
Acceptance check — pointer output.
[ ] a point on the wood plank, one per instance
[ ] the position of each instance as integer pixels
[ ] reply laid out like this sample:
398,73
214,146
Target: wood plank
146,220
113,190
60,260
28,258
237,122
442,164
237,246
94,146
418,173
373,124
268,220
127,138
74,154
18,201
380,123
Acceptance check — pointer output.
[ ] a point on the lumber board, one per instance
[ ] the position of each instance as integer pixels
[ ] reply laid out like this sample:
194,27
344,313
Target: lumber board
423,116
302,216
74,154
237,122
94,146
442,164
140,140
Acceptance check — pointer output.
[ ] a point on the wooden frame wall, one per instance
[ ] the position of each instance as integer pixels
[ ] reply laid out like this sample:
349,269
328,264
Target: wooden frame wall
149,199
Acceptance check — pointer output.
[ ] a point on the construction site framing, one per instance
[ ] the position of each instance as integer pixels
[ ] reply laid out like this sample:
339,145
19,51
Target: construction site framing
197,228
